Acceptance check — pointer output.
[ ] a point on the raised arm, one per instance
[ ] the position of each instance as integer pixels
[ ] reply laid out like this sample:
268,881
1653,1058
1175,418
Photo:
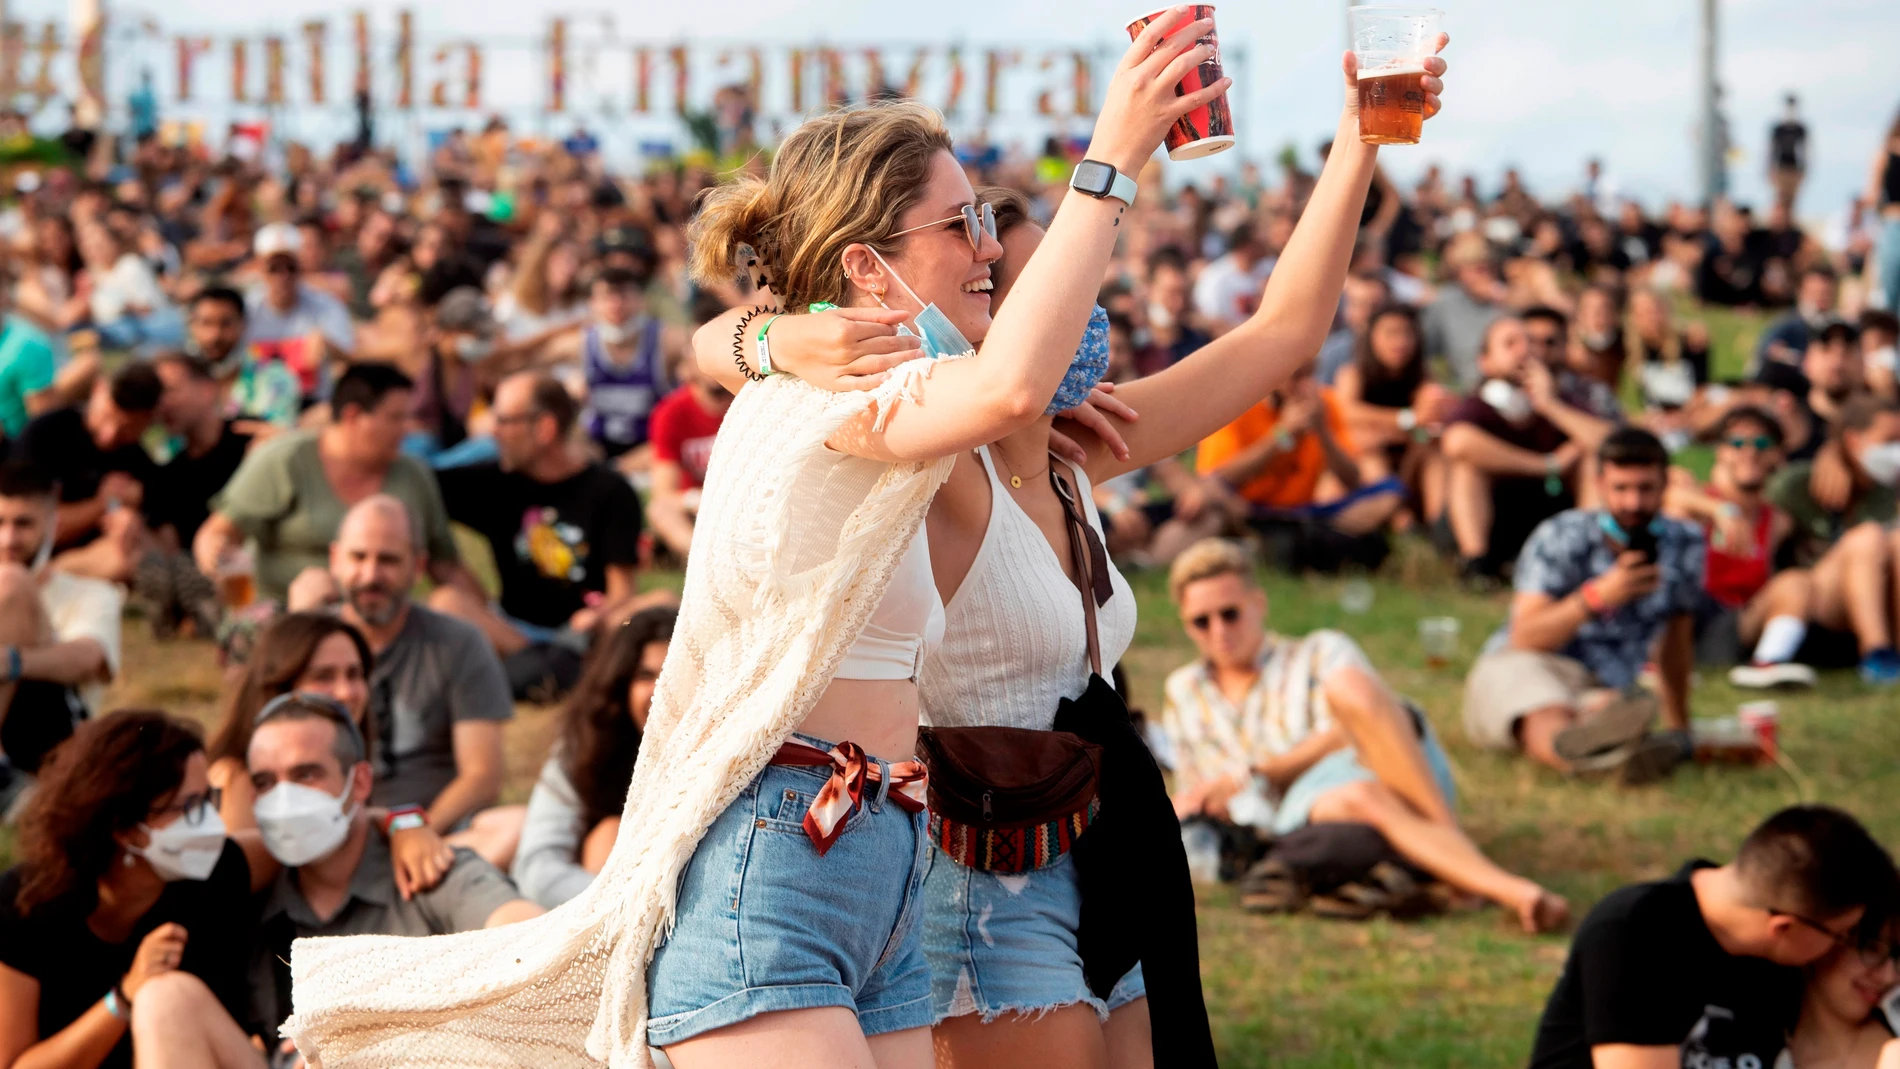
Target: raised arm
1006,386
1210,388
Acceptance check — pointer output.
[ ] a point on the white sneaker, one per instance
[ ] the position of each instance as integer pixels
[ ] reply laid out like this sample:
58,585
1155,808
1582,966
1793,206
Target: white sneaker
1766,676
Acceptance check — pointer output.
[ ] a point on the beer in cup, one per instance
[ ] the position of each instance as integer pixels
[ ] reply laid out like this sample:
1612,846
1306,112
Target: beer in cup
1209,128
1391,45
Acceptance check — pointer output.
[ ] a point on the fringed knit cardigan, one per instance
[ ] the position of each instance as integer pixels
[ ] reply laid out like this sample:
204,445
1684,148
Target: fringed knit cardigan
795,546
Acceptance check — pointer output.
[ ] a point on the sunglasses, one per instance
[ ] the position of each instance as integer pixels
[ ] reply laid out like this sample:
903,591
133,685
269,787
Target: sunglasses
280,267
978,220
1229,616
194,806
1761,443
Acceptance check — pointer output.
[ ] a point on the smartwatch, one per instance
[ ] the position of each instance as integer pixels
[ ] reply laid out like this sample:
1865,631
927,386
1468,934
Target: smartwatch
1098,180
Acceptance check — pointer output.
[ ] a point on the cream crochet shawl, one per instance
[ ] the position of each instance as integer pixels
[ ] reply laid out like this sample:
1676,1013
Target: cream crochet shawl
796,544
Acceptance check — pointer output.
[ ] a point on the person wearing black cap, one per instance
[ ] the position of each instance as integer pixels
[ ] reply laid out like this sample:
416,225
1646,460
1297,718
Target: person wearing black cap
1833,366
623,354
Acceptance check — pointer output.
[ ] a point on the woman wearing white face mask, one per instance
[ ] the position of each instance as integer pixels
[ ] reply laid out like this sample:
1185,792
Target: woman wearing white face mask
123,930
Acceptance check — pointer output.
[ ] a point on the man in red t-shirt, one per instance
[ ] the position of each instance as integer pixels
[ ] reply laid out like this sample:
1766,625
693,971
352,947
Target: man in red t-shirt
682,432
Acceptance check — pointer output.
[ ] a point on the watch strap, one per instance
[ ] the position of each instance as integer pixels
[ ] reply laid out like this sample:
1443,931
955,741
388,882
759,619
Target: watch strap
404,818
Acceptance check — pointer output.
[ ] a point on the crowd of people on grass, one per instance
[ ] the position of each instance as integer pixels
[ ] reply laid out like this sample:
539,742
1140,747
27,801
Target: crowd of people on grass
251,401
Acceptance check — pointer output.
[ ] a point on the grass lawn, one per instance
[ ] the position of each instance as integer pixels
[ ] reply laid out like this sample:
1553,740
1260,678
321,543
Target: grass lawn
1458,991
1463,990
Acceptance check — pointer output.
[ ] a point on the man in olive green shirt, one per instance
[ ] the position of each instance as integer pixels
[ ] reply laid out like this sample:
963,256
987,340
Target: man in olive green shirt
289,496
1852,549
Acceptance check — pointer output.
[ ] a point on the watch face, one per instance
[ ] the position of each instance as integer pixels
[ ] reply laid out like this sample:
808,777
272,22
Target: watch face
1093,177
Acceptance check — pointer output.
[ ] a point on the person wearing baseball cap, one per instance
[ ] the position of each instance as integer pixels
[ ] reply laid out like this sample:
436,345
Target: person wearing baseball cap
460,338
290,320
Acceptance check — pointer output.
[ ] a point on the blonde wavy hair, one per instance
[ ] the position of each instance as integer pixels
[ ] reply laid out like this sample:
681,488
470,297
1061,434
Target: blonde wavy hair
1208,559
839,179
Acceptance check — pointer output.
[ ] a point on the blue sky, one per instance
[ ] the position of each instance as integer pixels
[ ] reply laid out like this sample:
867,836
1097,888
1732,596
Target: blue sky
1539,85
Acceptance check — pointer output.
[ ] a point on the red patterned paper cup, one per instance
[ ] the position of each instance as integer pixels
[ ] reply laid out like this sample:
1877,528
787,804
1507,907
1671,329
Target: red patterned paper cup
1209,128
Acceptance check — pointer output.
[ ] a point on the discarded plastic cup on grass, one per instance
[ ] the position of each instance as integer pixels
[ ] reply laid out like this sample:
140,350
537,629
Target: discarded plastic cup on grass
1438,637
1762,719
1356,597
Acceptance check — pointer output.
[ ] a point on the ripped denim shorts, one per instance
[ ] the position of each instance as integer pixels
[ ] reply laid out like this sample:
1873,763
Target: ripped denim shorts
1002,943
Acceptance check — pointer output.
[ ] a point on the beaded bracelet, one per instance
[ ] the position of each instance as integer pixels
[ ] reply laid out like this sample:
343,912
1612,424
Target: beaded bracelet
738,343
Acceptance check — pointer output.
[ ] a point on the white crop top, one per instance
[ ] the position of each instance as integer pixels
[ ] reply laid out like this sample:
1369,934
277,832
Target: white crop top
1017,642
906,627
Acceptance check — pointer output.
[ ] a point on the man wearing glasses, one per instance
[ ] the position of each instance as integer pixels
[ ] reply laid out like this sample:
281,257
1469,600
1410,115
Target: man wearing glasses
1278,732
1705,968
564,531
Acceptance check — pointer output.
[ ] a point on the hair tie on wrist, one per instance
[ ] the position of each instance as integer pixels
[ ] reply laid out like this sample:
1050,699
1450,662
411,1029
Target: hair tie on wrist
738,343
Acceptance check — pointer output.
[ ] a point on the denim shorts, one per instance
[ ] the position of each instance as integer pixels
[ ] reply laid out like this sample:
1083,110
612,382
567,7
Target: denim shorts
1006,943
764,924
1341,767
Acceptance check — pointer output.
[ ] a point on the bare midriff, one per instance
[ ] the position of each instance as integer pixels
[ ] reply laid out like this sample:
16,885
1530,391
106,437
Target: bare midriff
877,714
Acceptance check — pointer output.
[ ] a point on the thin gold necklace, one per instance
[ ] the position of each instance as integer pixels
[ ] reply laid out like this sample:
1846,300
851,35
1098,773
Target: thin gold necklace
1015,480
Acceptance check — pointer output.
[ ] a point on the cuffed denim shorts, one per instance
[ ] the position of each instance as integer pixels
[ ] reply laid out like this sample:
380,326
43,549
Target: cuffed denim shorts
1000,943
764,924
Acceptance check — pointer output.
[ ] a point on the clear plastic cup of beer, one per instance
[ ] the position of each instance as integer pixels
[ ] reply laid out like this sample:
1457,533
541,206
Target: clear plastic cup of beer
237,579
1438,637
1392,45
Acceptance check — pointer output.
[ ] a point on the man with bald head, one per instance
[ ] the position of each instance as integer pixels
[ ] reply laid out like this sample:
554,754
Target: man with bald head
564,531
437,693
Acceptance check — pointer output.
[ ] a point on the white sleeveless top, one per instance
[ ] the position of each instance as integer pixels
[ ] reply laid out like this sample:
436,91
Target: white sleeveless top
906,627
1017,642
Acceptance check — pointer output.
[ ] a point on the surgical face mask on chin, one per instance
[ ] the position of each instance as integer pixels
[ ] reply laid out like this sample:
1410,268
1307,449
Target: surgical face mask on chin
472,350
941,338
1087,368
618,333
301,824
1159,316
181,851
1508,399
1881,463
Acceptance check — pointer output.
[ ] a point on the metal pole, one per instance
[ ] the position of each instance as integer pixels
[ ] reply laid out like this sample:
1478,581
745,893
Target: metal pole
1712,149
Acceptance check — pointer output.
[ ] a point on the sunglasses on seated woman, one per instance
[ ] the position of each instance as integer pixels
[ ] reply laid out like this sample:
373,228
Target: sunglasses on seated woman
978,220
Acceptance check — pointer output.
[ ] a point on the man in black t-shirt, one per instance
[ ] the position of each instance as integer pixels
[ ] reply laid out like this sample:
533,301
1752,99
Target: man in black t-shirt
565,532
1704,969
1788,155
179,493
93,452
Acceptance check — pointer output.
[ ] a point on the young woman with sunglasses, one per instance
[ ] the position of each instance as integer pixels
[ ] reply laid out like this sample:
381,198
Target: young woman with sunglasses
124,929
1015,641
761,904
